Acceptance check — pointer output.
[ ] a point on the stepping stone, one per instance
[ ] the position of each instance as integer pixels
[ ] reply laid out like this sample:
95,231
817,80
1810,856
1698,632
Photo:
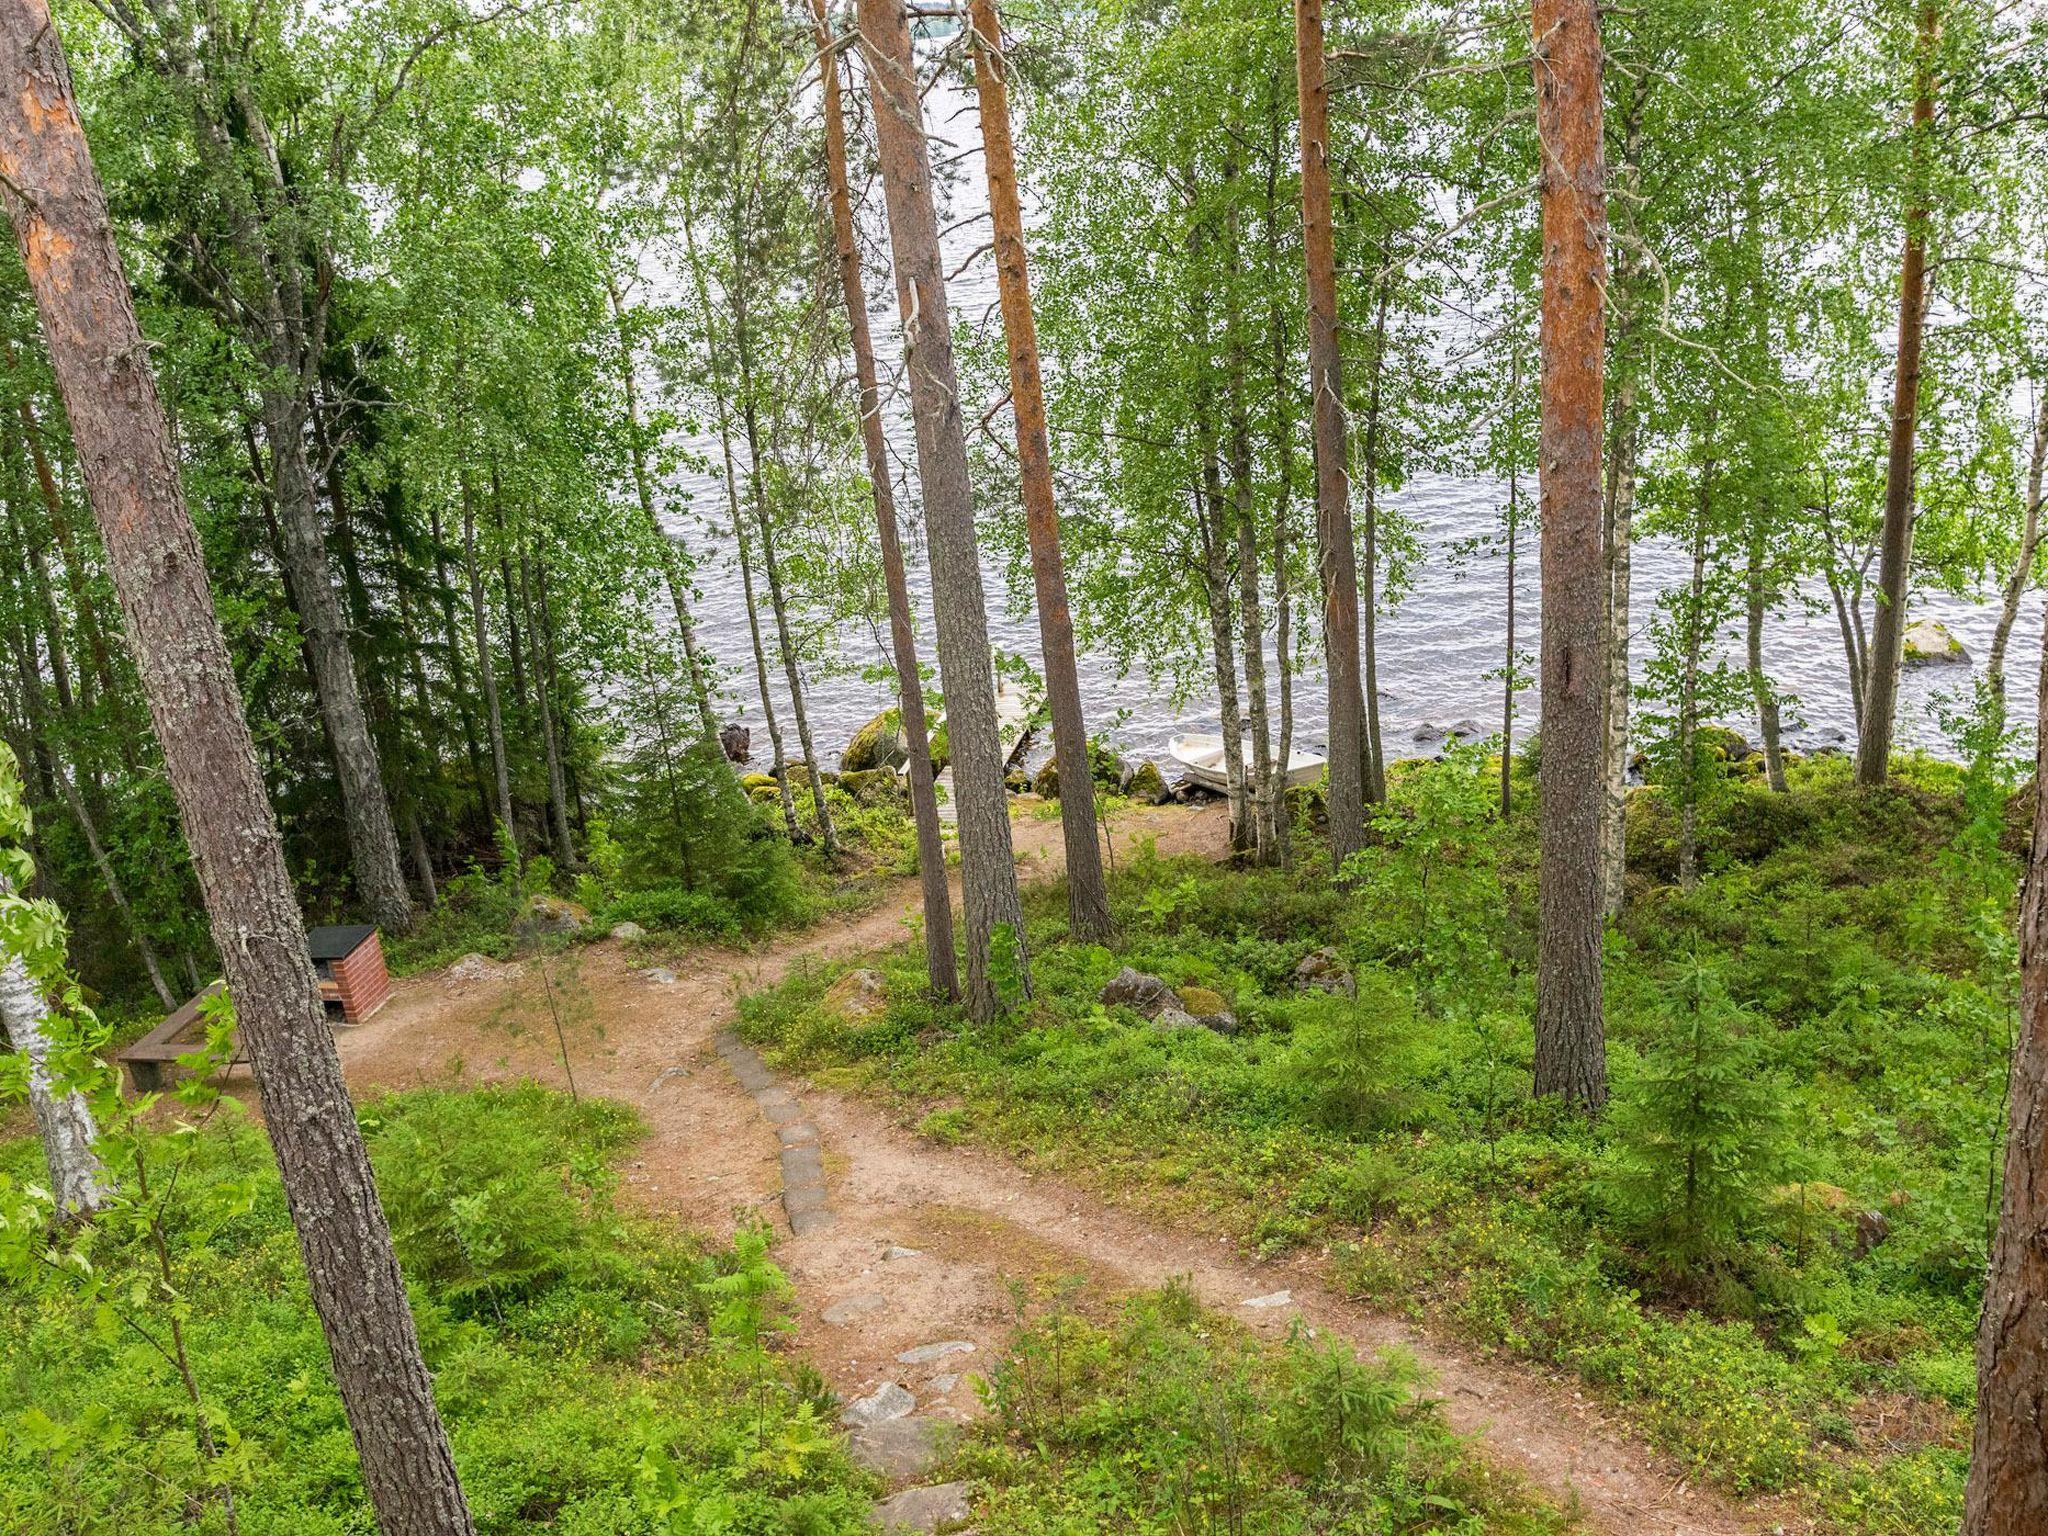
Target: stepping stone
801,1133
899,1449
660,975
855,1307
939,1386
1267,1303
886,1402
895,1252
925,1509
803,1223
779,1107
925,1354
803,1165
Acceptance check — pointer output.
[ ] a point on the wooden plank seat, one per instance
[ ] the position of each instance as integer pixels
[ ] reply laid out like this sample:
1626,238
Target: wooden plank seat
148,1060
354,984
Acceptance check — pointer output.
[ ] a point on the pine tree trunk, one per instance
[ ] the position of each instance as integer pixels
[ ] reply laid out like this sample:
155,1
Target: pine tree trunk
1087,893
1571,1051
2007,1494
52,194
487,675
1887,642
987,866
1338,559
941,967
63,1119
672,567
2022,574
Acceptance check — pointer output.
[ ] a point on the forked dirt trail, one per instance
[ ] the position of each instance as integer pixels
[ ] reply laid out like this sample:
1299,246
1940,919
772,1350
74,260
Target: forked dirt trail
924,1241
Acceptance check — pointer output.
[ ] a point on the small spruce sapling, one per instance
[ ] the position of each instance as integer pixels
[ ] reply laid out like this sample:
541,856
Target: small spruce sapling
1699,1133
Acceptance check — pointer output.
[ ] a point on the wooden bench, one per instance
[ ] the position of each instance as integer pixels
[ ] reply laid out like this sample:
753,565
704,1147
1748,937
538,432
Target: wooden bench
354,984
149,1059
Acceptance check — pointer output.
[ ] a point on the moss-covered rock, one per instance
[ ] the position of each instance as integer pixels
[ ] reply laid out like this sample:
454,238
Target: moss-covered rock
1047,783
753,781
873,786
859,997
1148,784
878,744
1929,643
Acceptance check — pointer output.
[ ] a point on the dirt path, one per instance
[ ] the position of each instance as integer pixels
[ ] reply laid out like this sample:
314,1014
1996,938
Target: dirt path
922,1241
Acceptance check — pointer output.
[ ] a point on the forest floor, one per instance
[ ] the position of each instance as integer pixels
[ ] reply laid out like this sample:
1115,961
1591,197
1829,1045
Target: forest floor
928,1242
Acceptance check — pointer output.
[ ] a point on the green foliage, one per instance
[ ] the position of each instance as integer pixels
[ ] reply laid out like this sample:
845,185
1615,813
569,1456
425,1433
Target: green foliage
1355,1058
1164,1419
595,1371
1697,1131
1780,1228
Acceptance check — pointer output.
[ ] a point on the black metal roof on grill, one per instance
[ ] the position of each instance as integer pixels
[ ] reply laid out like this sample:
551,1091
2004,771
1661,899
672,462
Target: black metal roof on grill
337,942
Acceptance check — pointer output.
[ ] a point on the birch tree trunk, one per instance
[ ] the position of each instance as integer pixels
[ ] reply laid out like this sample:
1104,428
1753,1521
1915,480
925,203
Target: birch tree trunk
1571,1051
1087,893
63,1120
941,968
1887,640
487,674
1339,560
52,194
1759,681
987,866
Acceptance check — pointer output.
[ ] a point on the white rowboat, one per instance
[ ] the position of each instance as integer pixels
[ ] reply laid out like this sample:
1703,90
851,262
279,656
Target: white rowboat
1201,758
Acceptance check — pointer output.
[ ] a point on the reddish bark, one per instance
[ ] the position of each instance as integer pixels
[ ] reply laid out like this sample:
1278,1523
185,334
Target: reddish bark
1087,894
1571,1056
53,196
2008,1488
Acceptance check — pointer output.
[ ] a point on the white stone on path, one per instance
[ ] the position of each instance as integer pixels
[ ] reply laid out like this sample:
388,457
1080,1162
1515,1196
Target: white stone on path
1268,1302
925,1354
886,1402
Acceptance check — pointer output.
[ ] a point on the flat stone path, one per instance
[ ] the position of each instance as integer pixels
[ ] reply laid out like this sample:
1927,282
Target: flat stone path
803,1163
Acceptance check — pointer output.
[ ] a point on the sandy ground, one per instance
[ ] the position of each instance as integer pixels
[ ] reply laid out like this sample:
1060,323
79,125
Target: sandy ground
964,1224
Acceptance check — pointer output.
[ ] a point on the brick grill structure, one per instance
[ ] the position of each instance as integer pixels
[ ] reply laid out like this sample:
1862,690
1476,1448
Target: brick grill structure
350,964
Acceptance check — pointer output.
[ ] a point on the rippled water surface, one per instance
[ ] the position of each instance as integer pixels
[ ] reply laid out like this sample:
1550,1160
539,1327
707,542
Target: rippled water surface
1435,647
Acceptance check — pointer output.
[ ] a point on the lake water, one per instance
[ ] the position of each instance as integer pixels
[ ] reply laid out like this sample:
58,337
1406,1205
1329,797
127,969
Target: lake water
1436,646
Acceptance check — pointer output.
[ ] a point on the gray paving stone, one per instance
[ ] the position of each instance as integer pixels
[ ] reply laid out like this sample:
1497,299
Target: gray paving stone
888,1401
925,1510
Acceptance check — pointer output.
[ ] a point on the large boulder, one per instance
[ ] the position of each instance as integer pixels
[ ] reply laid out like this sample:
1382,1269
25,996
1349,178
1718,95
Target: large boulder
878,744
1047,783
546,916
1929,643
737,741
1138,990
